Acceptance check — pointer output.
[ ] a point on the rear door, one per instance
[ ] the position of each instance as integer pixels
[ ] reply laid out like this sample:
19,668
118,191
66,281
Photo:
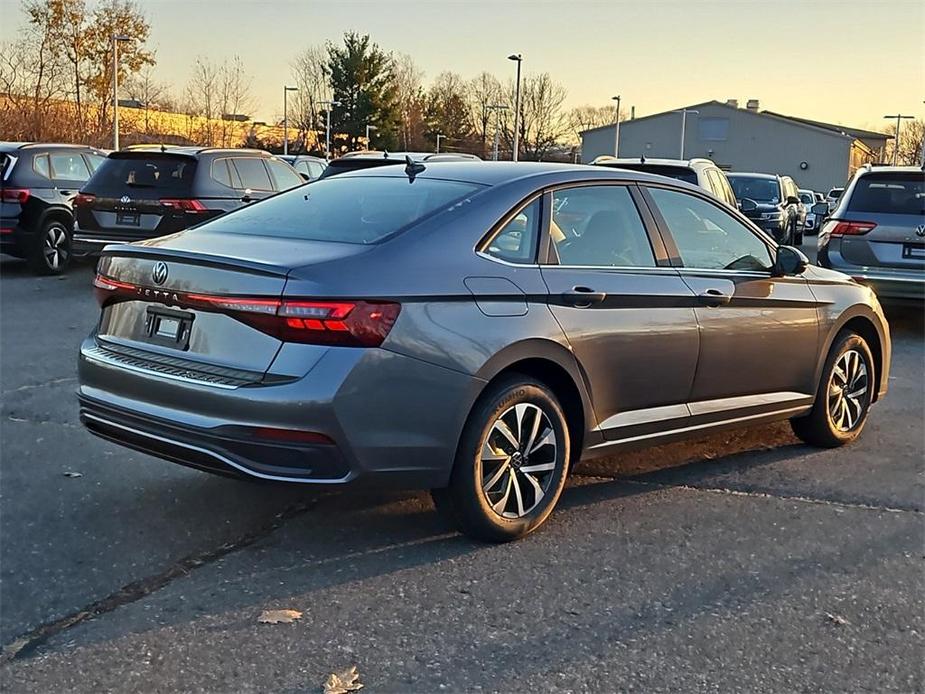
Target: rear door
894,203
758,333
253,178
628,316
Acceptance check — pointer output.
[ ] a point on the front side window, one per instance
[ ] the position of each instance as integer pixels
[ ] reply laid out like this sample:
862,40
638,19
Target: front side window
516,241
69,167
708,237
348,210
599,226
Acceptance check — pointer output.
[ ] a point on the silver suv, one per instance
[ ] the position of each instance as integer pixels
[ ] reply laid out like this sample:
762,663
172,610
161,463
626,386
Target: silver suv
876,233
700,172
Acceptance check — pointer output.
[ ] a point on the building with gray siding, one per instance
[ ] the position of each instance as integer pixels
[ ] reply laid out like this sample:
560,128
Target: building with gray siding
817,155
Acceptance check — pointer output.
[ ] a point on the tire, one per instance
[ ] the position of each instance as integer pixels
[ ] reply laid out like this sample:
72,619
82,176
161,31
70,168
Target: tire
51,252
798,237
840,412
496,492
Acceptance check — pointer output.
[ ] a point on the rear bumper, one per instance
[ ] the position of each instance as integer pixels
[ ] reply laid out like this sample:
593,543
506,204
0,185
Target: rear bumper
91,243
393,420
889,283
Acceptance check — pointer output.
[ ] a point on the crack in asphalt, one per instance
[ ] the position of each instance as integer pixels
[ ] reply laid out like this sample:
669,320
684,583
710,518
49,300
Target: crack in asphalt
26,644
838,503
33,386
23,420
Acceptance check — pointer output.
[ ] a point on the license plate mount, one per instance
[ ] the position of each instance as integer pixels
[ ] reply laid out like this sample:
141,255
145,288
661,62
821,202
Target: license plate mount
128,219
914,251
168,328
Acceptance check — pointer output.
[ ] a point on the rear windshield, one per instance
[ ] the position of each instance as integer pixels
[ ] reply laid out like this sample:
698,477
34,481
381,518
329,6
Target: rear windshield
765,190
339,166
160,174
892,193
677,172
349,210
807,198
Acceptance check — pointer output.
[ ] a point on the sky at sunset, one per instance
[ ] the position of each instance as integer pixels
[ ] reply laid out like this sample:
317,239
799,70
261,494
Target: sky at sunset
847,62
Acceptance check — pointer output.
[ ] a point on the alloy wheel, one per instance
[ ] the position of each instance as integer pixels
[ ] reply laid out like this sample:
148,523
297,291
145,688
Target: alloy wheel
55,247
847,389
519,457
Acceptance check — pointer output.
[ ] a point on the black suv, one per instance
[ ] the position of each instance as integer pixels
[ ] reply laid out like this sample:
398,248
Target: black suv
144,192
38,183
772,202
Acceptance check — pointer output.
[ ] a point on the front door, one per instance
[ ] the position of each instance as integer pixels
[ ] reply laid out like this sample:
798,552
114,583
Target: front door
627,315
758,332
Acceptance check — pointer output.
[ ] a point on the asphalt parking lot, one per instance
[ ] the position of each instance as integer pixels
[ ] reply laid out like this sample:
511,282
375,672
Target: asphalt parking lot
744,562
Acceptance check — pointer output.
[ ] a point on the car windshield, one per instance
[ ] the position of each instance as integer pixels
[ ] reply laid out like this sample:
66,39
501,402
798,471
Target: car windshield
807,198
891,193
765,190
680,173
835,193
349,210
155,173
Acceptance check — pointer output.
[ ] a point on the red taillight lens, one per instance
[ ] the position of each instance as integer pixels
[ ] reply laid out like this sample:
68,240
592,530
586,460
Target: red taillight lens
850,228
106,288
83,199
291,435
184,205
19,195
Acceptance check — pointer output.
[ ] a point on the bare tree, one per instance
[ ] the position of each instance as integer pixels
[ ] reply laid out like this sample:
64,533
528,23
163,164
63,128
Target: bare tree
447,111
409,82
235,97
201,98
588,117
145,89
308,73
911,143
543,121
481,93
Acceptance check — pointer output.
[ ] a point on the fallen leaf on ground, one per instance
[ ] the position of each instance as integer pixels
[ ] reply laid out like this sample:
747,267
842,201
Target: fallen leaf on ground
73,474
343,682
836,619
278,616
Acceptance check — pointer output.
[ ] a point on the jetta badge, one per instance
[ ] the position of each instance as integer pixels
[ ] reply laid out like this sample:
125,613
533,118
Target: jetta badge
159,273
920,230
125,199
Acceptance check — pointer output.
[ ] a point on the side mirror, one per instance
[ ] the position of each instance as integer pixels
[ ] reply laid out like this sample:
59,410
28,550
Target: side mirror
793,200
789,261
748,205
820,208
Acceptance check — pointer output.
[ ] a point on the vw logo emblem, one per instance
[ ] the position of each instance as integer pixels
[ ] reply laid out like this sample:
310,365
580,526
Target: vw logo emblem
159,273
125,199
920,230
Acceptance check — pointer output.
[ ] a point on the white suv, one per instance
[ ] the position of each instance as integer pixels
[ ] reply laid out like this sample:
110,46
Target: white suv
700,172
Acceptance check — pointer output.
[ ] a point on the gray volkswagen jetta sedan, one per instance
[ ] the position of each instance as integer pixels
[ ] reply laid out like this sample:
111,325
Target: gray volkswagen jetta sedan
471,328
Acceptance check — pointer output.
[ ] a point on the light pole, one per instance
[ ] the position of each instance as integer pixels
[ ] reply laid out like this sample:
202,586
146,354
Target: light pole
616,144
116,38
327,130
286,91
684,112
517,58
368,128
497,108
899,119
439,137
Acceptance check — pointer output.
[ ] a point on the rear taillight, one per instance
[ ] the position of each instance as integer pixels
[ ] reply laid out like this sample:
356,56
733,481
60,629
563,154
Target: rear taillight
83,199
19,195
338,323
184,205
846,228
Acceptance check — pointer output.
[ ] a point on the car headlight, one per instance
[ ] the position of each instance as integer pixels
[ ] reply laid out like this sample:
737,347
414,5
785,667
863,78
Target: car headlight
771,216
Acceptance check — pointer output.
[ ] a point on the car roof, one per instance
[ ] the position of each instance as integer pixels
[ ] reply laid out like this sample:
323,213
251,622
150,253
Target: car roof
9,146
190,151
607,160
873,168
416,156
751,174
492,173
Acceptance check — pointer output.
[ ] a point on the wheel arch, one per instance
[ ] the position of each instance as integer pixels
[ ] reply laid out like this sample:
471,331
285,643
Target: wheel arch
57,213
862,320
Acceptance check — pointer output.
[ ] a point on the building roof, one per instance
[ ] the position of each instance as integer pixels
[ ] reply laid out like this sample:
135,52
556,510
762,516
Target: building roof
843,130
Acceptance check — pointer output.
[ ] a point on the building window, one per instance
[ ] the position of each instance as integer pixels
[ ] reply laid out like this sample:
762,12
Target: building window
713,129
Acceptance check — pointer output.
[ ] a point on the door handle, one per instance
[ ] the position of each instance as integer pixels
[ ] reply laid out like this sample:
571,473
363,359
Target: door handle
583,297
714,297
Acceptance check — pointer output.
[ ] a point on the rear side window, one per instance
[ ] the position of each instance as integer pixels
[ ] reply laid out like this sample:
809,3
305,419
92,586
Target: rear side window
220,172
41,166
516,241
284,176
162,174
69,167
315,169
95,161
352,210
893,193
252,172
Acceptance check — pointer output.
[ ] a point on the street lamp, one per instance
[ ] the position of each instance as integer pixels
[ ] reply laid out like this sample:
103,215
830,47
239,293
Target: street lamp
684,112
517,58
439,137
286,91
616,144
899,119
497,108
327,130
368,128
116,38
